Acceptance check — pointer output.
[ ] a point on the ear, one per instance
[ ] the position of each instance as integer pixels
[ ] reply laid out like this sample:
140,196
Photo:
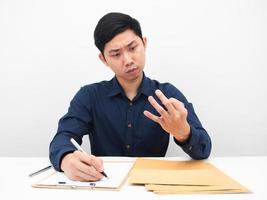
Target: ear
102,58
145,42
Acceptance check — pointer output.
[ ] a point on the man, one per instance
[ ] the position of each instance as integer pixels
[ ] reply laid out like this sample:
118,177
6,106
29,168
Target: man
130,115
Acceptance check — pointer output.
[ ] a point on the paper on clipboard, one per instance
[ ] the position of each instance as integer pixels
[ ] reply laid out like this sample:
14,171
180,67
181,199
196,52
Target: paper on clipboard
117,173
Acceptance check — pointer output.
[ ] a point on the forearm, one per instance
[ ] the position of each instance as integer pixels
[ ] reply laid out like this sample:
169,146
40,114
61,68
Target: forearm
75,124
59,147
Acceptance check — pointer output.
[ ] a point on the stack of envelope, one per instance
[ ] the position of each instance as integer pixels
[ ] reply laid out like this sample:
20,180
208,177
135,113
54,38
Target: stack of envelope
182,177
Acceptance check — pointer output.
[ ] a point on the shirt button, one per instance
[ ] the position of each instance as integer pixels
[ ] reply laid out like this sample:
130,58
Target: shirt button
130,103
128,146
190,148
129,125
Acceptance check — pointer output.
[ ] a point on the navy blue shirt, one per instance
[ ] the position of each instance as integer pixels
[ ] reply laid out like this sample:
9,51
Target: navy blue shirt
117,125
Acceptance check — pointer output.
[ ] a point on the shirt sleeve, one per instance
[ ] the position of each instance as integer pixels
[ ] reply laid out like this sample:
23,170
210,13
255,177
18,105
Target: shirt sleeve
75,124
198,145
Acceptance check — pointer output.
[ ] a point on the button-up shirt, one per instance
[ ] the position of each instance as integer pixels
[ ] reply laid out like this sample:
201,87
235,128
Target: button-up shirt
117,126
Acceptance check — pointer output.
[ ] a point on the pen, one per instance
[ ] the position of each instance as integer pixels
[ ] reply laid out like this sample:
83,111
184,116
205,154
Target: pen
81,149
40,171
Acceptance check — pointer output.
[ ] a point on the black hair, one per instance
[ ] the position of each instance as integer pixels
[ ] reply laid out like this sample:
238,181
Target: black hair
111,25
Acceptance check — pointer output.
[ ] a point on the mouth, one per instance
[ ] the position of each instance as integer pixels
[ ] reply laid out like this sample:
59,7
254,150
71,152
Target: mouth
131,70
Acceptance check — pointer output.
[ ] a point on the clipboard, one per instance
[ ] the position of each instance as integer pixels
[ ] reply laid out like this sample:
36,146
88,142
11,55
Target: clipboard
117,171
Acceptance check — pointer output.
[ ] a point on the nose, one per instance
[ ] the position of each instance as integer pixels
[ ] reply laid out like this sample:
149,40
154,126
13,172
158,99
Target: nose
128,61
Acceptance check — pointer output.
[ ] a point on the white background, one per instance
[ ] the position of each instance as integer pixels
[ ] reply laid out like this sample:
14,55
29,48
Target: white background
215,52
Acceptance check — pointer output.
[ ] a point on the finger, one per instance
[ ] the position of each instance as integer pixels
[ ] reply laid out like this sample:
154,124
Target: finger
97,163
165,101
89,170
179,106
152,117
92,160
158,107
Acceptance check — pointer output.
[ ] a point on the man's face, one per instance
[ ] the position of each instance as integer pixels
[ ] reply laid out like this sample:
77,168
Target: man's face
125,55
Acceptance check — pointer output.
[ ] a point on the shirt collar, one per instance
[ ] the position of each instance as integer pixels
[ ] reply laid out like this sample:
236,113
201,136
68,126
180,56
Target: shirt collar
144,88
114,88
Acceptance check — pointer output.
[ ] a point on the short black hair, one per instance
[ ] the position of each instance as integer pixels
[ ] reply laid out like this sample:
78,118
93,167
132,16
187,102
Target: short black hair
111,25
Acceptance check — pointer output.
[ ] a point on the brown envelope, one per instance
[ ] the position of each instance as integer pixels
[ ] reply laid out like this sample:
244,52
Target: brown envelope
190,189
163,176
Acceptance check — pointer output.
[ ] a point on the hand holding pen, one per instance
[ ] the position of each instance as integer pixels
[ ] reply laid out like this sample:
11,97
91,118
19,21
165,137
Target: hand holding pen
82,167
81,149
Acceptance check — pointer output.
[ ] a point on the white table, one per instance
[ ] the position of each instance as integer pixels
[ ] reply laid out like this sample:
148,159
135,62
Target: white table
15,183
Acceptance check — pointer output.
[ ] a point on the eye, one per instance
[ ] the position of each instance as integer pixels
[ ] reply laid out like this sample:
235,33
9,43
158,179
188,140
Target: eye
133,48
115,55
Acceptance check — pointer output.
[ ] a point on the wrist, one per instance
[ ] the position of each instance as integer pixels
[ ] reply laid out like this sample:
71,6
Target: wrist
64,161
183,136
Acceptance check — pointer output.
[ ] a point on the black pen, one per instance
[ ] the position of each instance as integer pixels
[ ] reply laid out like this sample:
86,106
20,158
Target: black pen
40,171
81,149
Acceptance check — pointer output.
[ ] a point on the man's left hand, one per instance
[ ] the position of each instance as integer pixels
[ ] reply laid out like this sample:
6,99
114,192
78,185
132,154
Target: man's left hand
174,119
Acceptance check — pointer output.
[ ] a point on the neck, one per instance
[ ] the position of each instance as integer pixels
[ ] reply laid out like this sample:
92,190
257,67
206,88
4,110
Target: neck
131,87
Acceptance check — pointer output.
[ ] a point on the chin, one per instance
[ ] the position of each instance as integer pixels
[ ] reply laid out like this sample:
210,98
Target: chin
136,76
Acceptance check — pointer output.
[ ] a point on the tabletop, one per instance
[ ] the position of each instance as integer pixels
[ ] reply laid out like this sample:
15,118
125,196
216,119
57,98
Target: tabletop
250,171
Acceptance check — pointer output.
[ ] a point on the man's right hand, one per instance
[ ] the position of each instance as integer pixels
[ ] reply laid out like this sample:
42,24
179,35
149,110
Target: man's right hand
81,167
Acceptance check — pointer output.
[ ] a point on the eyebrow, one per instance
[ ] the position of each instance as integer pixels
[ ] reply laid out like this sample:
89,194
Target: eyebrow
116,50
